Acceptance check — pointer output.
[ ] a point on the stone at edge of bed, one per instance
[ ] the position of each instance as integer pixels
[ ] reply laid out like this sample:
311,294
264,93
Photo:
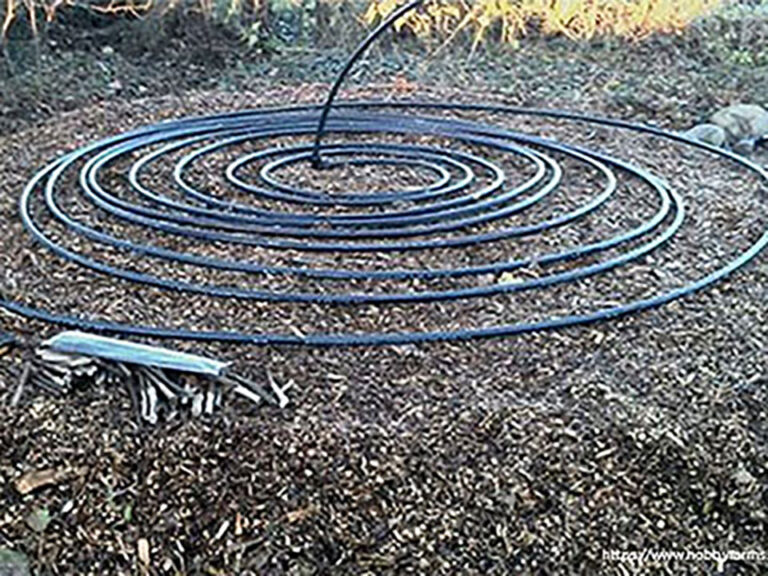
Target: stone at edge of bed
708,134
742,122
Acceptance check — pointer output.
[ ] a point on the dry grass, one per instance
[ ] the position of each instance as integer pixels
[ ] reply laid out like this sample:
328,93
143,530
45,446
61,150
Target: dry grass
576,19
33,11
501,20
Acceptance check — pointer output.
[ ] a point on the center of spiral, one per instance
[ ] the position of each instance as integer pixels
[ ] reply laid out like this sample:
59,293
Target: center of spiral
344,175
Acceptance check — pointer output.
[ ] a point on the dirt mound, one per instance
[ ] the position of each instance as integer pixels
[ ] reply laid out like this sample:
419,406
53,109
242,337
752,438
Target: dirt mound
535,454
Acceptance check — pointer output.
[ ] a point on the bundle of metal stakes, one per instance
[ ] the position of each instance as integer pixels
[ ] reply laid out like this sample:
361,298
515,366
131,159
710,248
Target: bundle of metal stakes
162,384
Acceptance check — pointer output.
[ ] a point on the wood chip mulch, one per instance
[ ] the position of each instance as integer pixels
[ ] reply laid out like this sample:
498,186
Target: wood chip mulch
532,455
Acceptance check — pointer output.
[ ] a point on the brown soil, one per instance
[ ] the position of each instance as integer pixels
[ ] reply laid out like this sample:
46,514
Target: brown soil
535,454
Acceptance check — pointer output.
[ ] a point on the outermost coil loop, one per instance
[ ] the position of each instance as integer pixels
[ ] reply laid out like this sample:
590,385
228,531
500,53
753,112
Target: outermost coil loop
464,191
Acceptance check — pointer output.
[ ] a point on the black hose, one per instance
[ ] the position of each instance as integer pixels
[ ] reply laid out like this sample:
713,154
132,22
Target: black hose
453,204
383,26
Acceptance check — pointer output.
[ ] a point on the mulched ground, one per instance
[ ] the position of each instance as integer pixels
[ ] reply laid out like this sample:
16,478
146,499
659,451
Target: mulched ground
535,454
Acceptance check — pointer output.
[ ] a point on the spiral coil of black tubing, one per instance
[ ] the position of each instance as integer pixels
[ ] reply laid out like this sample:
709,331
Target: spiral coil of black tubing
447,205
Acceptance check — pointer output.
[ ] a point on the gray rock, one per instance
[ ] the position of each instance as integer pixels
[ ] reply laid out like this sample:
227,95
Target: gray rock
708,134
13,563
745,147
742,122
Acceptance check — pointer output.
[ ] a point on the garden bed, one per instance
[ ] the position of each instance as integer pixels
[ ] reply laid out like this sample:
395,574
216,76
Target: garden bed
538,452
